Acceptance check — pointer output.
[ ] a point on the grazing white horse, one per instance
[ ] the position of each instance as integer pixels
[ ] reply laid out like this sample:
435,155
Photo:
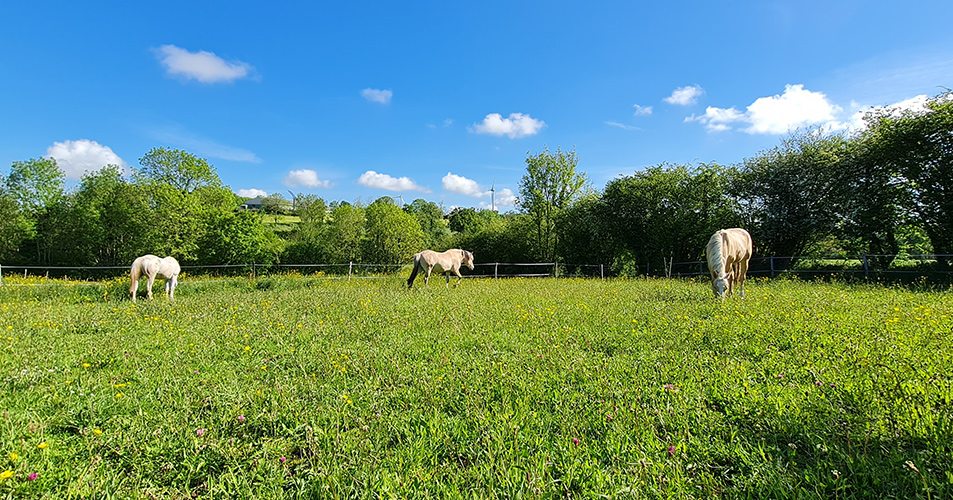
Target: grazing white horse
442,262
150,265
728,253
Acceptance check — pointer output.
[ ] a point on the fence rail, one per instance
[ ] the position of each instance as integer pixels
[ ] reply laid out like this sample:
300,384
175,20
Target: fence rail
867,266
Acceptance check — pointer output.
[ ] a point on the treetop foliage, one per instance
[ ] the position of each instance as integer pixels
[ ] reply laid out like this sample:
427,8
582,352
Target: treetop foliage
883,191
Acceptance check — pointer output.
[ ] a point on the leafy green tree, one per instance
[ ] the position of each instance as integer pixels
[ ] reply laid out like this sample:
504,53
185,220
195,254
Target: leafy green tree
237,238
35,184
551,184
872,201
305,244
393,236
274,204
345,234
311,209
470,220
432,222
918,145
177,168
502,238
668,213
14,227
794,193
175,221
37,187
112,216
585,233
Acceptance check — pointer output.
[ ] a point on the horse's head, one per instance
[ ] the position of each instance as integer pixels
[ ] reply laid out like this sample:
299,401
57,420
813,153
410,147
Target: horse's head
719,286
468,259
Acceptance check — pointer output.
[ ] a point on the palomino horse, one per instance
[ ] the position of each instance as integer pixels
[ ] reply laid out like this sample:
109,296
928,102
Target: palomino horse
442,262
728,253
150,265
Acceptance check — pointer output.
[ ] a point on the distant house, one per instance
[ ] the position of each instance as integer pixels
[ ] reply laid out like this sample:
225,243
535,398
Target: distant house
252,204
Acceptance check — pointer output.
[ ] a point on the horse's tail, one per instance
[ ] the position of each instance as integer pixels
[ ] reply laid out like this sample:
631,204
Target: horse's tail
413,274
134,272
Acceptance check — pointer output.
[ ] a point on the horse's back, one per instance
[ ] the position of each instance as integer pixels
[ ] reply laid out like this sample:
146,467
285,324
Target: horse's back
170,266
739,243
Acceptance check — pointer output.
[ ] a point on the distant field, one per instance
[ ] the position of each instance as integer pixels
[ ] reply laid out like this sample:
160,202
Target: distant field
644,388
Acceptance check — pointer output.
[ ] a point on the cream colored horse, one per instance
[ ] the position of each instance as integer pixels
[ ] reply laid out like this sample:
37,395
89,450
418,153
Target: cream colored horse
728,253
150,265
442,262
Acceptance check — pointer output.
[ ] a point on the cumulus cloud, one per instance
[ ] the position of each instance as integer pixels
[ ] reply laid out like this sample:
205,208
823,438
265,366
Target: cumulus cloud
916,104
203,66
305,178
685,96
251,193
777,114
515,126
795,108
642,110
505,198
461,185
379,96
384,181
78,157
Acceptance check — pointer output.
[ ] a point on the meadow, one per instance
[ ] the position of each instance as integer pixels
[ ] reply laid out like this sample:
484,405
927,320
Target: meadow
301,387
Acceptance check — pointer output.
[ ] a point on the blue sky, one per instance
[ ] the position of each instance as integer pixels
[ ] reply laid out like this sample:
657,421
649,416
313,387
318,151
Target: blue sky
442,100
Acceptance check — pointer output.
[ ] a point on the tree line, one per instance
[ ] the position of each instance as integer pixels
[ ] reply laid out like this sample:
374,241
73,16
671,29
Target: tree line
883,191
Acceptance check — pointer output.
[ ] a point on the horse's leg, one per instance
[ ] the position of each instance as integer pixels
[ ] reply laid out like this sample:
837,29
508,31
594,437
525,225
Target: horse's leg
427,277
742,276
170,285
456,270
413,276
152,279
133,288
731,280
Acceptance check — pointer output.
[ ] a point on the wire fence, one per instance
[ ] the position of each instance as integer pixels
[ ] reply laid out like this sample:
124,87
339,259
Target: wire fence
900,267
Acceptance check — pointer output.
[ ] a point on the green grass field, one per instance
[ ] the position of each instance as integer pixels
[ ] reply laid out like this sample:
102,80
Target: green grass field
288,387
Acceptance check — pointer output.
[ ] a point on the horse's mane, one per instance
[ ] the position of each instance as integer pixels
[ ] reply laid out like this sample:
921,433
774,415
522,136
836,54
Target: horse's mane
716,260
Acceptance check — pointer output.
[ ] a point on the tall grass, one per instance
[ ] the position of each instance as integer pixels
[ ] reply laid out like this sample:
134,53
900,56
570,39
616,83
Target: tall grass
644,388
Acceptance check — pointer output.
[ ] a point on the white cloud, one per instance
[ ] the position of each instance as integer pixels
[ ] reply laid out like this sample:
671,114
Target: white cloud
795,108
642,110
305,178
77,157
461,185
517,125
777,114
622,126
685,96
203,66
916,104
384,181
251,193
718,119
375,95
505,198
205,147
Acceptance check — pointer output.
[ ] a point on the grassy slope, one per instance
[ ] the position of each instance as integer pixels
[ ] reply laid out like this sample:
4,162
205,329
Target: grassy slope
648,388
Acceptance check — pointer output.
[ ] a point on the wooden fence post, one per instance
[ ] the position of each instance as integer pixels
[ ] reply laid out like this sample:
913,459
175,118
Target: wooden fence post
496,268
772,266
866,268
350,265
602,273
